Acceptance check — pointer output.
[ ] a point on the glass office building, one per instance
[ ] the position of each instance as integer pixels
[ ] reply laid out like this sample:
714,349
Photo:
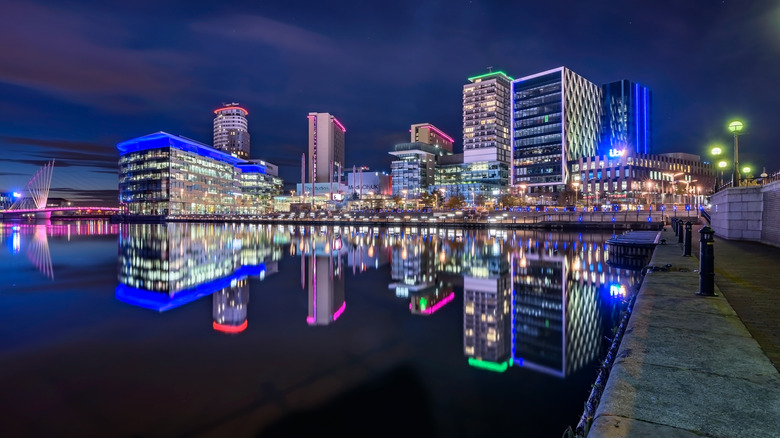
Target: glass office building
166,175
556,118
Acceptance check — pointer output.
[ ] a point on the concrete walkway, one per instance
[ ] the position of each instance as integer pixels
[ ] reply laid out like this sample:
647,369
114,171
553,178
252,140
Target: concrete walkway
692,366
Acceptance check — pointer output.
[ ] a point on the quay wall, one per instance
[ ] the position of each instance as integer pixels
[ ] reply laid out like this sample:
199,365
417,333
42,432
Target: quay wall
748,213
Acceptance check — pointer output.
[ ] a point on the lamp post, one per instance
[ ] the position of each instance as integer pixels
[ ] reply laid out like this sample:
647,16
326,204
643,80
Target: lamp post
722,165
736,128
404,191
746,171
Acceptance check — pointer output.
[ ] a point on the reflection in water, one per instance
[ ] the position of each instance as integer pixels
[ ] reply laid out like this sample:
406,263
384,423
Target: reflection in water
38,251
164,266
530,299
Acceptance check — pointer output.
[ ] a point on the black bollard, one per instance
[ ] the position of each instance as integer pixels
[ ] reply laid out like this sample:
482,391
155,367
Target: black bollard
679,231
674,225
687,244
706,262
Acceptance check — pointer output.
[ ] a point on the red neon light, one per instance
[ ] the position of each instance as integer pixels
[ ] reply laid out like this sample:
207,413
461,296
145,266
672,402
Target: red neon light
230,108
224,328
336,121
439,131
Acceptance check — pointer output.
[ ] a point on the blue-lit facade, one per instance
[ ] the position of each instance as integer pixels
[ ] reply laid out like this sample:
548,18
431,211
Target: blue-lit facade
166,175
626,119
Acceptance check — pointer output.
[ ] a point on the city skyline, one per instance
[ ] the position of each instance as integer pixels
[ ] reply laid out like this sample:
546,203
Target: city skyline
77,80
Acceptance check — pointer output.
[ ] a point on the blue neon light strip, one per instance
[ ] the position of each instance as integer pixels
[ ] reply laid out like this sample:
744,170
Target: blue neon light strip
163,139
162,301
252,168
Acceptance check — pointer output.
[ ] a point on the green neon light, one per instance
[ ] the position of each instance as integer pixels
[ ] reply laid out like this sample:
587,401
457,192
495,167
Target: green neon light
546,118
423,303
490,366
491,74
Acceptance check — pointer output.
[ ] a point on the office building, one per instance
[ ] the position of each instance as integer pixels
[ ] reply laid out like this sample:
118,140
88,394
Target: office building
626,120
166,175
627,178
556,118
477,182
231,131
487,118
326,147
413,170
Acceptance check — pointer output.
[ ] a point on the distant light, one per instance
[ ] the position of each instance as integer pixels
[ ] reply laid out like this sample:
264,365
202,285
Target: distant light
17,195
722,164
717,151
736,126
746,169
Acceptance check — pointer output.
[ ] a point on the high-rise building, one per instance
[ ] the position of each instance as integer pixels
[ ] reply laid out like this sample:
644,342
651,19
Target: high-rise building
231,134
556,118
487,118
326,147
626,121
414,167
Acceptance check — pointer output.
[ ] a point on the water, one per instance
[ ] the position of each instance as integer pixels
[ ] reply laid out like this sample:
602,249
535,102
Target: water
231,330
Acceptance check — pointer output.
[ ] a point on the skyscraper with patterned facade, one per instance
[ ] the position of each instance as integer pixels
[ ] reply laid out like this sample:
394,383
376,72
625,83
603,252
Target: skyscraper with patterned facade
556,118
231,130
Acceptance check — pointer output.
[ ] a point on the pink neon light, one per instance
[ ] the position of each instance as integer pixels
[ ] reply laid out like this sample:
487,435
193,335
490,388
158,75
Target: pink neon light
230,108
224,328
310,319
340,311
440,304
309,117
439,131
335,120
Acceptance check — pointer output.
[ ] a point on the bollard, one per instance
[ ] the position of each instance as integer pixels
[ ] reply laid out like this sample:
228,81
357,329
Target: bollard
679,231
706,262
674,226
687,244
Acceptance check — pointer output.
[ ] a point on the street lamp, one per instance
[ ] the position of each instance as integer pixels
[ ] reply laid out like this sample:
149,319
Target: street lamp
736,128
722,165
404,191
576,185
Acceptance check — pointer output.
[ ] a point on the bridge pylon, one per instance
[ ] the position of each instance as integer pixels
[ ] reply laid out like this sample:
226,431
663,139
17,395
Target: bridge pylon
36,192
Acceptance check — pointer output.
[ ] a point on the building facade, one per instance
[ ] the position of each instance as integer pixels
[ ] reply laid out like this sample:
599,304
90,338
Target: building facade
231,130
626,118
326,147
475,182
674,178
166,175
487,118
556,118
413,170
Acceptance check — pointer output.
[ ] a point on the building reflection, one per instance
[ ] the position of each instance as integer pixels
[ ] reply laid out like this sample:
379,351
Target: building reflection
165,266
321,250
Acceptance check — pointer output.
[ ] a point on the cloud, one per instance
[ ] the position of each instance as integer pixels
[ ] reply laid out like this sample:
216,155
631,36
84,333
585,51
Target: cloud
262,30
65,153
55,50
86,197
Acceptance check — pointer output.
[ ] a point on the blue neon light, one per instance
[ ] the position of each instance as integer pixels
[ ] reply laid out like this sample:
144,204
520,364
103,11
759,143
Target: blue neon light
252,168
163,301
163,139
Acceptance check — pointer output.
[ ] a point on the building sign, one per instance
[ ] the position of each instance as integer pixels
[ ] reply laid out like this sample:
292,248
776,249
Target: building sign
617,152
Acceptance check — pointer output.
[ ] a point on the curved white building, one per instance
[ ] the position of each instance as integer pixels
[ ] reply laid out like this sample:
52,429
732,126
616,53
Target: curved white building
231,133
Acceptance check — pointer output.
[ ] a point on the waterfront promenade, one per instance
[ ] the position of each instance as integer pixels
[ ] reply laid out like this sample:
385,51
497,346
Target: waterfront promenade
692,366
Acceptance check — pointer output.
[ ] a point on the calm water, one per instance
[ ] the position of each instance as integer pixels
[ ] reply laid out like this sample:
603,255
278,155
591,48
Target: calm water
229,330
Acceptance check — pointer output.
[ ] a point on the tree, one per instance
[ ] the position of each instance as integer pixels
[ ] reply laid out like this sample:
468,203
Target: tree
456,202
397,200
427,199
479,200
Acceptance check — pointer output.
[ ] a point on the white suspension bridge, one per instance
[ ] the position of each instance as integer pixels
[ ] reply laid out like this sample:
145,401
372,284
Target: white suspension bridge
34,199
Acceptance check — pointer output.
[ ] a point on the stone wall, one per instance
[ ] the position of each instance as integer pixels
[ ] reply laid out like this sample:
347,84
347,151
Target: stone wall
770,219
748,213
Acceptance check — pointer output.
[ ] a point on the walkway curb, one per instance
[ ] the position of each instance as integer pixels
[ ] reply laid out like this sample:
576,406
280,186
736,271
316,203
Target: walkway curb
686,366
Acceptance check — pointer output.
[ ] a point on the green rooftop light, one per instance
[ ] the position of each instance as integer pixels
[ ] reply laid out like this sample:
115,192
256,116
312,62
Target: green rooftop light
473,78
490,366
736,126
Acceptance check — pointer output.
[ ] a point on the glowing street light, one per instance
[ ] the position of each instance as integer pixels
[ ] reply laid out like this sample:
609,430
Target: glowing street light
576,185
736,128
722,165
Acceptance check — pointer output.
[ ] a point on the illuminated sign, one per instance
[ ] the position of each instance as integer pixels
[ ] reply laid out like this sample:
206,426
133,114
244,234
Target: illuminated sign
17,195
617,152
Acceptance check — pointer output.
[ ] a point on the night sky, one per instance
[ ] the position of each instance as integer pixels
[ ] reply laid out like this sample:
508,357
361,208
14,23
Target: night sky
77,77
